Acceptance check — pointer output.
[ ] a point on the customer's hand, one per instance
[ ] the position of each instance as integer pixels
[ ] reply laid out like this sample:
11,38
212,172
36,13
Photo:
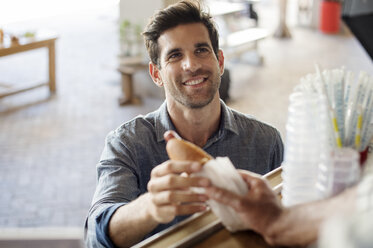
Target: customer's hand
169,189
258,208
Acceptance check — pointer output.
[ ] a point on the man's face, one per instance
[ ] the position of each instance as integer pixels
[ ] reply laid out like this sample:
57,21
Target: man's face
190,71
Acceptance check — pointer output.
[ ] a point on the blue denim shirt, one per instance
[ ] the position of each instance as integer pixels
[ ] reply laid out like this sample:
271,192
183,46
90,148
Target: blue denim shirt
137,146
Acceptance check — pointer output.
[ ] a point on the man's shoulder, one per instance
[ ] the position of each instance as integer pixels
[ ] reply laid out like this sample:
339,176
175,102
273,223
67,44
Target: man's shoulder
143,129
249,122
138,125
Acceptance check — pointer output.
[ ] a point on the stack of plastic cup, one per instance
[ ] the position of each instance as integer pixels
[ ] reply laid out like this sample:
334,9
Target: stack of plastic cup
340,172
307,144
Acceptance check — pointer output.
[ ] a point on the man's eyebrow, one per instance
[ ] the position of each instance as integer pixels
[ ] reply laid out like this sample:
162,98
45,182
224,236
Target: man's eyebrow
172,51
202,44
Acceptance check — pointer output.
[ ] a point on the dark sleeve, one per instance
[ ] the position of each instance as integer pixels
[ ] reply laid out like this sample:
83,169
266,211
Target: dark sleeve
102,225
277,151
117,183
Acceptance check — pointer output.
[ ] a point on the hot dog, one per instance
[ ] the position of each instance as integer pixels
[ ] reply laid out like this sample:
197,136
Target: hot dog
219,171
179,149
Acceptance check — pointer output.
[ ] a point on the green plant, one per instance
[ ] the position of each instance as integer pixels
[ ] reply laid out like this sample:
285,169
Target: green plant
124,29
130,38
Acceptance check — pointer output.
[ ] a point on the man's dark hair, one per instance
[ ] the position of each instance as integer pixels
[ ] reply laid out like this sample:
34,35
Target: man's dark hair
183,12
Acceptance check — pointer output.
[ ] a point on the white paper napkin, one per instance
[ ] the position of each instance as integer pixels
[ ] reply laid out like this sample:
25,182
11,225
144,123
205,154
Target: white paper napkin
224,175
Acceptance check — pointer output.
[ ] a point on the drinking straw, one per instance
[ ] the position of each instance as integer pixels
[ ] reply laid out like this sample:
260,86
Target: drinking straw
368,138
360,100
331,116
366,127
368,112
338,104
348,81
351,111
358,127
349,76
350,104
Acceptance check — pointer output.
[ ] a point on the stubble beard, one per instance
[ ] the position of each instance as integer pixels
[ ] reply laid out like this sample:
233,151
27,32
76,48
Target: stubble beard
187,100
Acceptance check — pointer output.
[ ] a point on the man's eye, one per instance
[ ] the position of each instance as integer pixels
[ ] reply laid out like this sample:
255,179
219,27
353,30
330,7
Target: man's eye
202,50
174,56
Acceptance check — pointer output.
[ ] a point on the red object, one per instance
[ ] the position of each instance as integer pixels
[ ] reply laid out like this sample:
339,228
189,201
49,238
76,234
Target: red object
363,156
330,15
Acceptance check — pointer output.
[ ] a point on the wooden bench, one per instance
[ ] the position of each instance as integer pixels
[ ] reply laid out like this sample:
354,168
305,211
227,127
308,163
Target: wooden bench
237,43
235,40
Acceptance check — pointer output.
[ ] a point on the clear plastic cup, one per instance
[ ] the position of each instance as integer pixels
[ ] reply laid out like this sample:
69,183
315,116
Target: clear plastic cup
306,141
341,172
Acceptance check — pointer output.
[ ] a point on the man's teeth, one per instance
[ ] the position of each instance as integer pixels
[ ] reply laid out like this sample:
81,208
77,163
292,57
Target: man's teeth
194,82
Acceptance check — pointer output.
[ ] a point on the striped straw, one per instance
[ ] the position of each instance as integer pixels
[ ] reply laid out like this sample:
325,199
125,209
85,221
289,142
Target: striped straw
359,125
332,114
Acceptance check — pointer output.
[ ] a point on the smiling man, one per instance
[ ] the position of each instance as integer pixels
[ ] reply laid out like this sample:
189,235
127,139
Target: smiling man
190,71
139,190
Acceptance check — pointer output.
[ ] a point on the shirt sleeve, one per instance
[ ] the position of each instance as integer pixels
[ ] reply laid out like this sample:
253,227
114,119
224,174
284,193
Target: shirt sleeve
102,225
117,184
277,151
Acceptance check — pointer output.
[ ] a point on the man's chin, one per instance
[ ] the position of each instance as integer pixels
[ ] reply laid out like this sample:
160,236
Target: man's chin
197,104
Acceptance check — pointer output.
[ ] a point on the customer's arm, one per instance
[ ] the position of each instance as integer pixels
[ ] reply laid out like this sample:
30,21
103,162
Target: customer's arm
262,212
300,224
168,197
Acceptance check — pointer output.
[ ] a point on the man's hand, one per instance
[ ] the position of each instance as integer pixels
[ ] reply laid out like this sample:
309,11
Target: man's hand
170,193
258,208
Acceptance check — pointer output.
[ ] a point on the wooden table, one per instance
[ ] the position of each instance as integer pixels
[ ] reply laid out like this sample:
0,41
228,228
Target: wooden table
25,44
127,71
205,230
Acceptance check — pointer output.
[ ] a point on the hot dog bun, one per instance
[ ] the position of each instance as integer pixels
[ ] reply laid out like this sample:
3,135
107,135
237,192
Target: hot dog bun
179,149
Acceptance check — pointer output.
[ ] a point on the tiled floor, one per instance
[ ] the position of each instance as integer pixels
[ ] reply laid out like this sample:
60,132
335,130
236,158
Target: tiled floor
49,146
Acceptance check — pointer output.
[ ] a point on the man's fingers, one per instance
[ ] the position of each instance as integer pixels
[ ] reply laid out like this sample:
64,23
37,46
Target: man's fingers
170,134
224,196
176,182
175,167
254,181
167,212
176,197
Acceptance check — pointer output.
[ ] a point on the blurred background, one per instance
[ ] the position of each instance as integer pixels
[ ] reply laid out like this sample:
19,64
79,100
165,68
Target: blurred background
50,143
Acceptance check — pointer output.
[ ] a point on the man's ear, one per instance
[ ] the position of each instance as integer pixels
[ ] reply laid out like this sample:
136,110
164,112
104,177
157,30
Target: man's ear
221,61
155,74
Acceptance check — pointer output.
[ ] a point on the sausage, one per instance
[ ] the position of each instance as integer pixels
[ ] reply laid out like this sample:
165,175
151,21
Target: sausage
179,149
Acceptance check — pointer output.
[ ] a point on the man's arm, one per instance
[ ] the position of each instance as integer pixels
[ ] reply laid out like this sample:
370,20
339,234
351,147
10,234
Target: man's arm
168,197
262,212
300,224
131,222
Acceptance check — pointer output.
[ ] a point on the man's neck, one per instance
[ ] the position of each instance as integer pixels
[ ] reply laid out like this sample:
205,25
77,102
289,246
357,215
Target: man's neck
196,125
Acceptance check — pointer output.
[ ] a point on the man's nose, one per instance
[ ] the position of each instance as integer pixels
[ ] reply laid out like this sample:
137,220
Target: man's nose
190,63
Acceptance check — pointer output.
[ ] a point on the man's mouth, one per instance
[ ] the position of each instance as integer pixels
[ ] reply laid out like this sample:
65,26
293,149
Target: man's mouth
194,81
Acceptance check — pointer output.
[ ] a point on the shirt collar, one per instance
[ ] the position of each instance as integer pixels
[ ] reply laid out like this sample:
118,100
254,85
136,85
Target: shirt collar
163,121
229,122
